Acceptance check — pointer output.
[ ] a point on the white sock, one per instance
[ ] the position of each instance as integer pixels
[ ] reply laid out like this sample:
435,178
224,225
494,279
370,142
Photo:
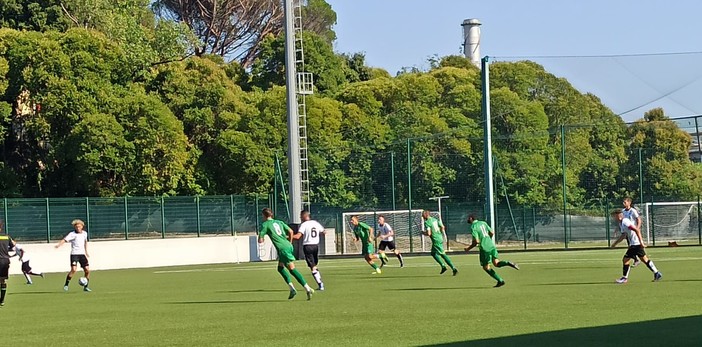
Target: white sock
652,266
26,275
308,288
317,277
292,287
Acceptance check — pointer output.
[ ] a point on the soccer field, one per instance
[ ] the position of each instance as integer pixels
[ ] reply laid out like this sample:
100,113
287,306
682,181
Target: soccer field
557,298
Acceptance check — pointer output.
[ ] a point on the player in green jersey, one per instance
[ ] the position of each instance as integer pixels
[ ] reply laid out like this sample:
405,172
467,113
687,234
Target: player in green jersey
281,236
482,237
364,233
434,229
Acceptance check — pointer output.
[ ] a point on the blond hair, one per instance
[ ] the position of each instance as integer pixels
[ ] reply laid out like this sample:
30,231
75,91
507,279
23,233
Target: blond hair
77,221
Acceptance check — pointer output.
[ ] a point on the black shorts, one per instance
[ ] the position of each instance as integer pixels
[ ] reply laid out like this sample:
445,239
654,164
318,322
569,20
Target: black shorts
386,245
4,268
311,254
635,251
79,259
26,267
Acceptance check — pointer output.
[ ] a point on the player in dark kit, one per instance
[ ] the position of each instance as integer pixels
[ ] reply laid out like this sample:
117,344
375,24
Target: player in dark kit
6,244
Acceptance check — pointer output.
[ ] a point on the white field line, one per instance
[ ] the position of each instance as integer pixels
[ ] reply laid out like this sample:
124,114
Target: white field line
270,265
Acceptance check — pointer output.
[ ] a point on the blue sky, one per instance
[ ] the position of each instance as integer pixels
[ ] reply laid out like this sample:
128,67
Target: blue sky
398,33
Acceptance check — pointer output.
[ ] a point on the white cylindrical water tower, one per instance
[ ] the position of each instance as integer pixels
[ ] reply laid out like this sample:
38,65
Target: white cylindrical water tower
471,40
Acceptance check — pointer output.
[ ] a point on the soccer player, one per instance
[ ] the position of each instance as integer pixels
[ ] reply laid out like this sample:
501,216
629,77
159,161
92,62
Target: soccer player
632,214
26,269
6,244
310,230
281,235
482,238
79,252
636,247
364,233
387,240
434,229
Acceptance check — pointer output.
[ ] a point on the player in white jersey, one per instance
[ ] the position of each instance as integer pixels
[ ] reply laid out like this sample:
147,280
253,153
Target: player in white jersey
310,231
636,247
387,241
24,259
79,252
632,214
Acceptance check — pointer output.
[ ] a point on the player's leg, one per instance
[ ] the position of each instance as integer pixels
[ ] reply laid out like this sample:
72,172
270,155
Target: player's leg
4,275
502,263
445,257
651,266
26,270
86,271
381,252
74,267
286,277
435,254
300,279
32,271
312,259
397,253
626,267
370,260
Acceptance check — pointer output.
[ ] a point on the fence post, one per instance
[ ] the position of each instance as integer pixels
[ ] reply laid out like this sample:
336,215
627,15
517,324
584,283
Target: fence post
6,222
163,218
607,226
699,219
126,219
87,212
258,221
48,222
524,229
392,178
231,211
641,191
565,189
409,192
653,224
533,223
197,206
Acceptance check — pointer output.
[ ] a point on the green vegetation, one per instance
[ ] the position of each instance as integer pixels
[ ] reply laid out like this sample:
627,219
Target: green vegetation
555,297
133,97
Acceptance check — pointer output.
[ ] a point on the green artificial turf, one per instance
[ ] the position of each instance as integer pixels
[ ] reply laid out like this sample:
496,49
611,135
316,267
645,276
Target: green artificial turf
557,298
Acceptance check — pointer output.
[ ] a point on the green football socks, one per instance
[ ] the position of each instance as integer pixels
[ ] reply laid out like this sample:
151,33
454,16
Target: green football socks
494,275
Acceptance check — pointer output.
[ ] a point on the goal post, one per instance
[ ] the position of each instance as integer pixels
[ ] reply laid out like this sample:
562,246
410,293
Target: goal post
677,221
407,225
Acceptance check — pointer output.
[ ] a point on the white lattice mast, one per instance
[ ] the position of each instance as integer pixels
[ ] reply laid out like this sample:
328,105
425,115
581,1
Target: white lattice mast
299,85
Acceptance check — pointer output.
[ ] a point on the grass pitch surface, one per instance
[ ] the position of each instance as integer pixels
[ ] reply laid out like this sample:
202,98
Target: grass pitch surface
557,298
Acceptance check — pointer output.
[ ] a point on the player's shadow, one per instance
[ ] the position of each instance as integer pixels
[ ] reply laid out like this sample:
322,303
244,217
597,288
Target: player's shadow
253,291
35,293
682,331
438,288
574,283
218,302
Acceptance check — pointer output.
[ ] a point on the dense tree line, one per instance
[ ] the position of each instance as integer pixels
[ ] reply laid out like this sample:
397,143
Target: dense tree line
107,98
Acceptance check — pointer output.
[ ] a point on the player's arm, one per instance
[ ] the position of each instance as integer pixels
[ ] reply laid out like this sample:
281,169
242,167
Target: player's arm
619,239
60,243
473,244
262,236
638,233
300,233
371,236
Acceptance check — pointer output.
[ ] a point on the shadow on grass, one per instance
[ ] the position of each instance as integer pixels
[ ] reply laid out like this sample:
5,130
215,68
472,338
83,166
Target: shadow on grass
575,267
216,302
441,288
254,291
575,283
35,293
683,331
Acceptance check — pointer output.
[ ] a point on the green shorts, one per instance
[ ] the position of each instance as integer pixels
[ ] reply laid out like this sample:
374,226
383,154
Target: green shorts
367,249
437,248
486,257
286,255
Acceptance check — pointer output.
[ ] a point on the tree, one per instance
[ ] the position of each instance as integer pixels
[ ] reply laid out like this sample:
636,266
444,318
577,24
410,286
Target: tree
36,15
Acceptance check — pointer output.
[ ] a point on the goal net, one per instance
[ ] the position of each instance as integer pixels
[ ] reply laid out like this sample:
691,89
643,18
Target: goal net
671,221
406,224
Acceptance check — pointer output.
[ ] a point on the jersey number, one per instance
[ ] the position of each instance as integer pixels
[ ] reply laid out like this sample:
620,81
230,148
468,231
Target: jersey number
313,232
278,230
485,232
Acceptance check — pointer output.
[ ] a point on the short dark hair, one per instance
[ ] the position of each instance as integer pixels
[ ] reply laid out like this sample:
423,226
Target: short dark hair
616,212
304,213
472,218
381,216
267,212
630,200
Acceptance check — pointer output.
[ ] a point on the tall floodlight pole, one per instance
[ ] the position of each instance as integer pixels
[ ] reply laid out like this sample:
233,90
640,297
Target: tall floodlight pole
487,141
294,173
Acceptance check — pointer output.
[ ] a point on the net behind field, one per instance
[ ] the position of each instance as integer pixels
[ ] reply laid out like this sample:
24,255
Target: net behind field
677,222
406,225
